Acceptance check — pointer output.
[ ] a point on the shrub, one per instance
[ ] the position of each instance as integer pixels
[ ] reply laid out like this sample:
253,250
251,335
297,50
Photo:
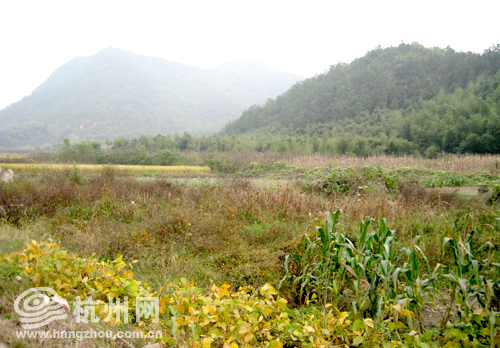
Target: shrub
166,158
495,195
223,165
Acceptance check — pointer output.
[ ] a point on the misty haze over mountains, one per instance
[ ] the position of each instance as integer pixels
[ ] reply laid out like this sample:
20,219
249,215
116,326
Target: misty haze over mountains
116,93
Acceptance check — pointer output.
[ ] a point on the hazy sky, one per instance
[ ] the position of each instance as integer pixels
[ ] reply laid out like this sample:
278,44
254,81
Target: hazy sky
304,37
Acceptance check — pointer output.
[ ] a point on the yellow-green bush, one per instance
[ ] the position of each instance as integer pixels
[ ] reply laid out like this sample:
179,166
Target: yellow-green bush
190,316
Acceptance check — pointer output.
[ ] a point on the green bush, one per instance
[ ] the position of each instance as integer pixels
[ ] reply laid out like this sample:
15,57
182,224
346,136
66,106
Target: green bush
223,165
166,158
495,194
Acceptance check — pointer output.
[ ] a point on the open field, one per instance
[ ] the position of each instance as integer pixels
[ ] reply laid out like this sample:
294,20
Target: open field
257,229
93,168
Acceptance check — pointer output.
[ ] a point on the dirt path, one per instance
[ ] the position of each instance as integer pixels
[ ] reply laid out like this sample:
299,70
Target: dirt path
464,190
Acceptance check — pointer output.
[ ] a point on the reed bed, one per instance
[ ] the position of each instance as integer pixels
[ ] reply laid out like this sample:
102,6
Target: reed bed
465,163
457,163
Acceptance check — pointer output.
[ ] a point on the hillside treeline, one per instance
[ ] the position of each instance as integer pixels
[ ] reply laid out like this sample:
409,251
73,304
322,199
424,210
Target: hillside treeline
400,100
405,99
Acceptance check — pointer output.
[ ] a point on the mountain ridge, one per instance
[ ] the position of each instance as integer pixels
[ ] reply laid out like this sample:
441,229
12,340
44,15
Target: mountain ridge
398,100
123,94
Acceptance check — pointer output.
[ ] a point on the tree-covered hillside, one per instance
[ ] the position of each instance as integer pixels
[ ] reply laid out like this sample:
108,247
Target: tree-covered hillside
120,94
396,100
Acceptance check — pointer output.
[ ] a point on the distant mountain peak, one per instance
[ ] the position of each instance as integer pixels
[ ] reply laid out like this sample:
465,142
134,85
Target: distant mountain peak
117,93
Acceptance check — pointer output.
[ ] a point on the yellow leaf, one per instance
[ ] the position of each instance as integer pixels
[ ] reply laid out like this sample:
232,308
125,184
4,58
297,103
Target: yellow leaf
205,310
343,315
36,278
275,344
412,333
397,307
328,305
243,330
268,289
407,313
223,290
206,342
308,329
369,322
248,337
128,274
268,311
227,345
357,341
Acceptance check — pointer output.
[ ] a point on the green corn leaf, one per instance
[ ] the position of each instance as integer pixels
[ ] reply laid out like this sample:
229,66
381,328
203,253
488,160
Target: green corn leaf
384,264
475,268
447,240
450,277
492,320
287,260
462,282
363,232
395,277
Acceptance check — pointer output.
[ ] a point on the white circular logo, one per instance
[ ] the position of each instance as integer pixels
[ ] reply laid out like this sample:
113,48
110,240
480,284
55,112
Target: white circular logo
36,308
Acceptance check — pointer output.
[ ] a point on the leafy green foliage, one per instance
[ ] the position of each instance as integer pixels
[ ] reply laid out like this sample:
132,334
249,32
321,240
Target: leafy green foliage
447,180
495,195
190,316
384,280
222,165
48,265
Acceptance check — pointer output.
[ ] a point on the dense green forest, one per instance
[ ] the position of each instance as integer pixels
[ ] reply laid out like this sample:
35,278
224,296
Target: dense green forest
116,93
405,99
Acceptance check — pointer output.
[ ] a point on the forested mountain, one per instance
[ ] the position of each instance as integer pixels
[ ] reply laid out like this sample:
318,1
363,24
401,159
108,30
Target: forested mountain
116,93
397,100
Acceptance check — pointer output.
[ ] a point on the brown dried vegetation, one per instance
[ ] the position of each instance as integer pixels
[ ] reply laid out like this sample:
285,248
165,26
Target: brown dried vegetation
227,230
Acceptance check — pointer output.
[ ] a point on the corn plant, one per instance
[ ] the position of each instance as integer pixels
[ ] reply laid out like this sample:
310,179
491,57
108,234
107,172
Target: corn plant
418,284
331,263
319,272
474,294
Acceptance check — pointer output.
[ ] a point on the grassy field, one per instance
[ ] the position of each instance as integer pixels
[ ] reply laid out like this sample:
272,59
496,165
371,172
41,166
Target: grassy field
244,229
23,168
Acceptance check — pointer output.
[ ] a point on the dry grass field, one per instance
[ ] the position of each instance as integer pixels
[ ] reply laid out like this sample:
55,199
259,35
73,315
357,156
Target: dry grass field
235,230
